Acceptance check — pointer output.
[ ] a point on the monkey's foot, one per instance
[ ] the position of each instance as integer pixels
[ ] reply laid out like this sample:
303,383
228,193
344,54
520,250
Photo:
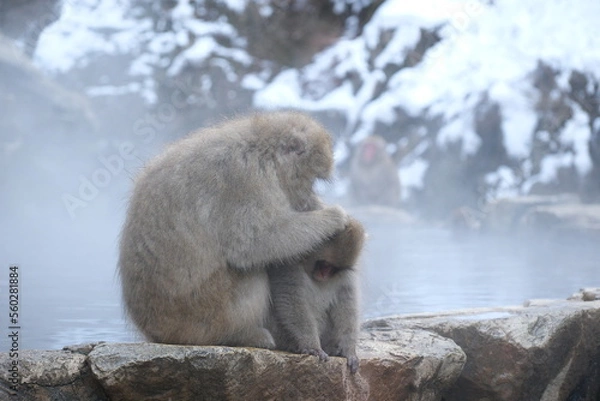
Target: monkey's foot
352,362
316,352
264,339
346,352
257,337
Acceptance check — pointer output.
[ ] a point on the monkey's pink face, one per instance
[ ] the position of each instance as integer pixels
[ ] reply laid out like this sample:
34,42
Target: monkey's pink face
369,152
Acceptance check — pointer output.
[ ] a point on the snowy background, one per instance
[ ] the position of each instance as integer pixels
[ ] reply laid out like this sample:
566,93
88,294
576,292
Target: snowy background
389,79
477,100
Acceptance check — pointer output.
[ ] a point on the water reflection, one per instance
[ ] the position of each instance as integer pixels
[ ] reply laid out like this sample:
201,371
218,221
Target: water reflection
412,270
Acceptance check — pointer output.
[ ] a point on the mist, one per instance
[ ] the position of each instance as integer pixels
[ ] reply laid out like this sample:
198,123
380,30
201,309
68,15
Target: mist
88,99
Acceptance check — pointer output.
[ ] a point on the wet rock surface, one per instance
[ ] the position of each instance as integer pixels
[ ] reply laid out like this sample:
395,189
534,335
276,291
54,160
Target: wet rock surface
546,351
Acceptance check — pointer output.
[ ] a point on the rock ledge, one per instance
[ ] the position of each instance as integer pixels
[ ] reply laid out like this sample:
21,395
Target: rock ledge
547,350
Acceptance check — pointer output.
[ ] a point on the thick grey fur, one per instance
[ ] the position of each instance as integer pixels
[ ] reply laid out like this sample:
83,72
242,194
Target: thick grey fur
210,213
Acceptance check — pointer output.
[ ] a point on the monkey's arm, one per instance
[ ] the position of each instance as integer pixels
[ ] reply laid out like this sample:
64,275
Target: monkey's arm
343,335
280,237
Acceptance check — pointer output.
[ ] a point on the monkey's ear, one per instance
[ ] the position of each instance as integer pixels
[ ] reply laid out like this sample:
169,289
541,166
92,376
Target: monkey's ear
294,145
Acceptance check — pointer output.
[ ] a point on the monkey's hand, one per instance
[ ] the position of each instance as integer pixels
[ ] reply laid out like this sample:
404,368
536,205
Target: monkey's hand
316,352
336,216
351,238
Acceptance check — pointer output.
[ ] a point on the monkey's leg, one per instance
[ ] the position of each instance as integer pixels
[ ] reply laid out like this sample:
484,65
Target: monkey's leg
296,318
341,337
301,326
